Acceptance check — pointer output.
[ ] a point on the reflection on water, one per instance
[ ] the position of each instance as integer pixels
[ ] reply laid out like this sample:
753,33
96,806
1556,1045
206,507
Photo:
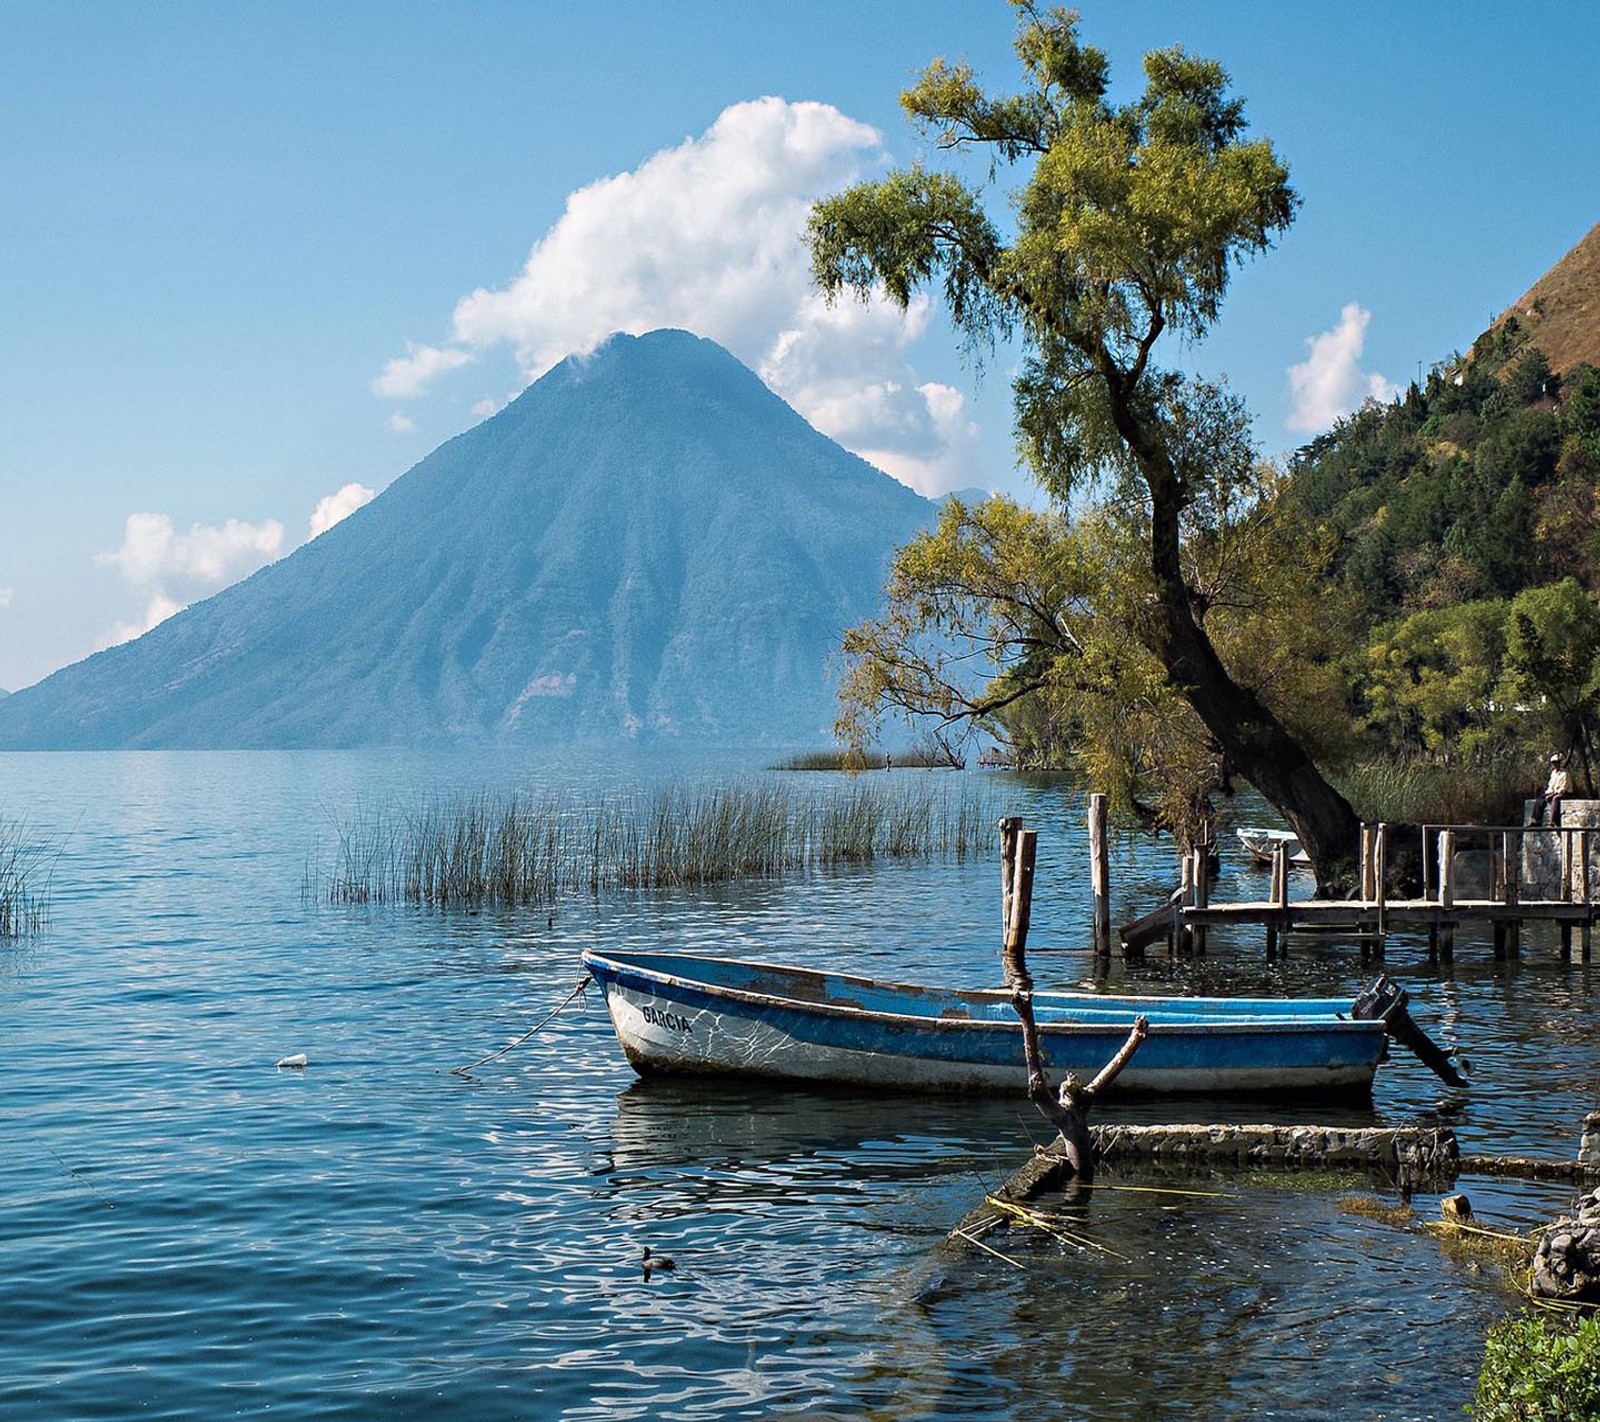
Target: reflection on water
191,1233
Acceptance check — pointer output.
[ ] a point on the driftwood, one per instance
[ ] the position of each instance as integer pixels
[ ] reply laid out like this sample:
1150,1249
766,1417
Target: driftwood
1568,1261
1410,1155
1068,1109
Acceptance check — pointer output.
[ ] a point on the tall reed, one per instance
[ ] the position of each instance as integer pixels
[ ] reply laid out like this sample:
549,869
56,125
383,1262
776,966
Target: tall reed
510,850
1487,790
24,882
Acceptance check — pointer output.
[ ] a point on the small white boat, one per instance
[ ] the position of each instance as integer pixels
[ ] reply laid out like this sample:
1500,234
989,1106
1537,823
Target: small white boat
1261,844
684,1013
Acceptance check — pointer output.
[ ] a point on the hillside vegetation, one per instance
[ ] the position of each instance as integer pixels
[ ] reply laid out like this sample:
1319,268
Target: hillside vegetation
1467,548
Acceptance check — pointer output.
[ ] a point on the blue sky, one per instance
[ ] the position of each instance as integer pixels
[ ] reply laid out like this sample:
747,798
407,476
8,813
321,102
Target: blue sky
256,260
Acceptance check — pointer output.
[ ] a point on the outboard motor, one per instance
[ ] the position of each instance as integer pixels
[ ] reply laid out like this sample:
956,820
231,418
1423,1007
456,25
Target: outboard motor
1385,999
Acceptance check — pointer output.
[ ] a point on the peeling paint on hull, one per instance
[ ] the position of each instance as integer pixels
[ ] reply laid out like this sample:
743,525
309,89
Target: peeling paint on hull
678,1013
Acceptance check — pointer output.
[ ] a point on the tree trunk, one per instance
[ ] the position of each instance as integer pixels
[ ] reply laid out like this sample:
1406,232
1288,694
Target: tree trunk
1263,751
1254,740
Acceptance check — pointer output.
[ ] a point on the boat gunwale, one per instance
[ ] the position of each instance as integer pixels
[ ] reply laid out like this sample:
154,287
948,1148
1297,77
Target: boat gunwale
1112,1024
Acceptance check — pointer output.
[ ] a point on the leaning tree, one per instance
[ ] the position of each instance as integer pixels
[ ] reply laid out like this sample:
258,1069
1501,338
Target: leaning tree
1127,223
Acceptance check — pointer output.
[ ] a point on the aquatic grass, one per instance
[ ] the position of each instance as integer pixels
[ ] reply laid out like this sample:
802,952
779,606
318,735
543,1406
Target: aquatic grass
853,760
24,882
1487,790
513,850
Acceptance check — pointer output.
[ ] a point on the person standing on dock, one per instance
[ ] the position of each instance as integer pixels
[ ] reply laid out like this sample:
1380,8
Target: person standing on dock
1547,807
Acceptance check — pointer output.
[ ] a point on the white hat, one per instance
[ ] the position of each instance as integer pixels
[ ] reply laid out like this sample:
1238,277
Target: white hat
1555,755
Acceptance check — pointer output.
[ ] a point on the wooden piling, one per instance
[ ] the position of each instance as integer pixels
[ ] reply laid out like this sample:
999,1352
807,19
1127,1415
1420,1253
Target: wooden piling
1202,892
1010,828
1447,893
1100,875
1380,884
1183,937
1586,928
1018,848
1514,890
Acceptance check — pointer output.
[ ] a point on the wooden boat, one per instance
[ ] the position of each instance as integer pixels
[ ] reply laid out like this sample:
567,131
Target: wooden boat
680,1012
1260,844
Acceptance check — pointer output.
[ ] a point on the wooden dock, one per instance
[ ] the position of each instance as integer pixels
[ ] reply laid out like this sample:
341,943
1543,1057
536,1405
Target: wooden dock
1501,877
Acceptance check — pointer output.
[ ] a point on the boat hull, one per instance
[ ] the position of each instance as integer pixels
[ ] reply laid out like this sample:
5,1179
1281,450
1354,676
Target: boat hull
832,1028
1262,844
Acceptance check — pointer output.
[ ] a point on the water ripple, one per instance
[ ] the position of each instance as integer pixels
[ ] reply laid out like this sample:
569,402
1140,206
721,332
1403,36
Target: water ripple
192,1232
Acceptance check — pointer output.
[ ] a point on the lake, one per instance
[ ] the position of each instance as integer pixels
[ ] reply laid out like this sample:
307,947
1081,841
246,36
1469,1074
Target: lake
187,1231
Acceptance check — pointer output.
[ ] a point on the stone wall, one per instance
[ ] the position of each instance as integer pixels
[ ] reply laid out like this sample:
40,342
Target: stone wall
1542,853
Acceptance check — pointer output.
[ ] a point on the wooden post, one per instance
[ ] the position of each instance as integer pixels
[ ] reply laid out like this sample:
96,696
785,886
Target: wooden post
1184,935
1010,828
1014,949
1368,891
1280,901
1100,876
1022,890
1586,928
1380,875
1514,890
1202,892
1447,892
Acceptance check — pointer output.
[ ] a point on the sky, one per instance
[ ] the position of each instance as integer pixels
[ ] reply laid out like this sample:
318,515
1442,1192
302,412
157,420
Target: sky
256,260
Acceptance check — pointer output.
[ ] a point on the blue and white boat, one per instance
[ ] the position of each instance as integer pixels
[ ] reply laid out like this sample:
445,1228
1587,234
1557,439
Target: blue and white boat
680,1012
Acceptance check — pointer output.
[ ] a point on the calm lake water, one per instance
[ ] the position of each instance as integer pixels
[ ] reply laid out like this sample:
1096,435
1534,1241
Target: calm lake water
188,1232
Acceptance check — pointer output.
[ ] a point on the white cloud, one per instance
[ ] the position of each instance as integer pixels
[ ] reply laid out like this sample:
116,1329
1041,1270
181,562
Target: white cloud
203,559
1330,382
7,597
709,236
160,608
405,377
400,424
485,407
170,569
335,507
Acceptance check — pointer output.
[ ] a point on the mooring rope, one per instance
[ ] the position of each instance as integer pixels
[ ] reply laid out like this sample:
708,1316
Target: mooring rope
577,990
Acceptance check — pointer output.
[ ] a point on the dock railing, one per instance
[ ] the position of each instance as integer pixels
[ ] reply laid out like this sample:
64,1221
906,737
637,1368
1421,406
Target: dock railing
1521,864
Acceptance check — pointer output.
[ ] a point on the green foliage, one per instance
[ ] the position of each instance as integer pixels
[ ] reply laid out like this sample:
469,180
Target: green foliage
1537,1371
1580,406
1431,679
1553,658
1468,489
1031,626
1530,378
1126,224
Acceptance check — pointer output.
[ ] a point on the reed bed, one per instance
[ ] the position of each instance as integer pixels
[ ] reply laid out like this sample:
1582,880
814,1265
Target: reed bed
1486,790
852,760
24,882
513,850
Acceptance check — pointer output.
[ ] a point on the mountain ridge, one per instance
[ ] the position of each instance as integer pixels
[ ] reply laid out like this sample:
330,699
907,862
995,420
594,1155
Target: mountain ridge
646,543
1560,313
